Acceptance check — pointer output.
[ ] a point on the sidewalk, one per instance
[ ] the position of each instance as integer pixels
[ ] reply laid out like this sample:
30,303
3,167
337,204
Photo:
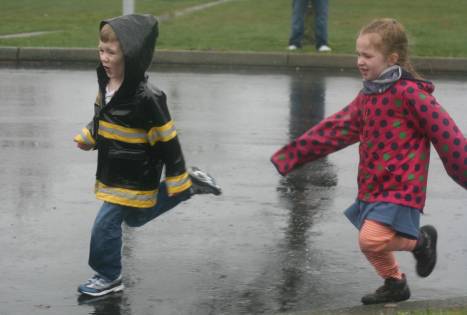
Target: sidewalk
25,56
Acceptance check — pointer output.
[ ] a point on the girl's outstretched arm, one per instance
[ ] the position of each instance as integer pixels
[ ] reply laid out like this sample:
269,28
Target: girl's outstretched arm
331,134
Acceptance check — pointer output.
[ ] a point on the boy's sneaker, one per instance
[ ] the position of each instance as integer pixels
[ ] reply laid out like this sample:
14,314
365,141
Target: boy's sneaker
393,290
425,251
203,183
98,286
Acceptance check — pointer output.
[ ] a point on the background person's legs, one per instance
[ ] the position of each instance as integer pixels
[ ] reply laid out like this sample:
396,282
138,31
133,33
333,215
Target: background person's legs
299,8
320,9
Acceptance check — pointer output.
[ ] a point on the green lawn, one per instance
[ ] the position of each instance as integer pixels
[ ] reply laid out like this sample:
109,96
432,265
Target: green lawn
436,28
435,312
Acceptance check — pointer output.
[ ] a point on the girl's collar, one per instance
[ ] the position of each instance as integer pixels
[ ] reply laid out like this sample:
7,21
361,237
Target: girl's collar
383,82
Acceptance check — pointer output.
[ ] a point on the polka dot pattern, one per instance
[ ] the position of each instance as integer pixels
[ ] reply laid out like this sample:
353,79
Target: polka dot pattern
395,129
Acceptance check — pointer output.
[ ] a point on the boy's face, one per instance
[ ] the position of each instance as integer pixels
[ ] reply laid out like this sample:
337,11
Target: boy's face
370,60
111,57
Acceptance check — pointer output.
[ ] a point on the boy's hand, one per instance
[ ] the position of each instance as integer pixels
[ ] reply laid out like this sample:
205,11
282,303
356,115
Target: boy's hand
83,146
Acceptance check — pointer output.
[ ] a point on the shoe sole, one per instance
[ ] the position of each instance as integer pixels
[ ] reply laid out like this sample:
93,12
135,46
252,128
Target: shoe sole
368,301
401,299
84,299
108,291
434,233
216,190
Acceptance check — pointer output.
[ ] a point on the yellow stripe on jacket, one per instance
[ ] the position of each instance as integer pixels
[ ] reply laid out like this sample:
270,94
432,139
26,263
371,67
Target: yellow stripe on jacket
126,197
120,133
85,137
163,133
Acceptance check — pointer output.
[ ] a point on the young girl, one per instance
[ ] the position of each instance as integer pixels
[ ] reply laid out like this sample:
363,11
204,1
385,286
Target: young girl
394,117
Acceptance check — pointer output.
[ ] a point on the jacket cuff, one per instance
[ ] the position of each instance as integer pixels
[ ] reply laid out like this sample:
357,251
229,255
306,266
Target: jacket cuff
178,184
85,137
279,163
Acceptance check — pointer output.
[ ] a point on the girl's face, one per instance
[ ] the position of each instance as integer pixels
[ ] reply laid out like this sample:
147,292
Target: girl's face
111,57
370,60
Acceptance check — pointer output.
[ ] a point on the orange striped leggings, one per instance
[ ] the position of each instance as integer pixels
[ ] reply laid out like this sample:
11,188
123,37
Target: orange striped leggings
377,242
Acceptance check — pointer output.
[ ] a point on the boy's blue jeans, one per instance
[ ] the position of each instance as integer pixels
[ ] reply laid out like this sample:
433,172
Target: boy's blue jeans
105,255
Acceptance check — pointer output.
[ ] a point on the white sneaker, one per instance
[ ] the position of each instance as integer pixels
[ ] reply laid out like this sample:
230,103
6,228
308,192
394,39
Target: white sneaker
324,48
292,47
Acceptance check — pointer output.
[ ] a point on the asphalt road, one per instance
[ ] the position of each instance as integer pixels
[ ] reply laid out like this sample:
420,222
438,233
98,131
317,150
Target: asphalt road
268,244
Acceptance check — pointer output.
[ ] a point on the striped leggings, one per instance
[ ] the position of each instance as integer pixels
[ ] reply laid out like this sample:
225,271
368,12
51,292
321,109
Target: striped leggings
377,242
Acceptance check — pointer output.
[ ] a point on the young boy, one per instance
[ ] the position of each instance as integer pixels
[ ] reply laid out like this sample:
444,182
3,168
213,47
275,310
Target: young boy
135,138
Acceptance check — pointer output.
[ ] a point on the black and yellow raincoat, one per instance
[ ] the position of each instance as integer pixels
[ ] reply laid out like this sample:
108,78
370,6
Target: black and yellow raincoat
134,133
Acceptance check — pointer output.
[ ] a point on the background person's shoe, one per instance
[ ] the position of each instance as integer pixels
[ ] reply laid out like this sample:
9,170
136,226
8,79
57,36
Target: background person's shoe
292,47
203,183
324,48
99,286
425,251
393,290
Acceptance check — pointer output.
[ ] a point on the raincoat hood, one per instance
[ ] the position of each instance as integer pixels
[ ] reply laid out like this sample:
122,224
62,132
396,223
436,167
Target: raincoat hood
137,35
424,85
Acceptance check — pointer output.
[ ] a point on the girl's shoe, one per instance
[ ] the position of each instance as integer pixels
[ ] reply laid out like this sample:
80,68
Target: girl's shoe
98,286
393,290
203,183
425,251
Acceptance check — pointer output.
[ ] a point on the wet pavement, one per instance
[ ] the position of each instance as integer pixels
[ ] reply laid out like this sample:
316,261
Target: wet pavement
268,244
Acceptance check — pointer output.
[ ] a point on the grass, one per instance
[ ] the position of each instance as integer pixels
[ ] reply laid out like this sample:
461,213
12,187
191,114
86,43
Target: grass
435,28
434,312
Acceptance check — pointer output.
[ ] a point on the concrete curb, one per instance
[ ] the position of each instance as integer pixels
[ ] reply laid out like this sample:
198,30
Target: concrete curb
458,304
57,54
9,54
24,56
